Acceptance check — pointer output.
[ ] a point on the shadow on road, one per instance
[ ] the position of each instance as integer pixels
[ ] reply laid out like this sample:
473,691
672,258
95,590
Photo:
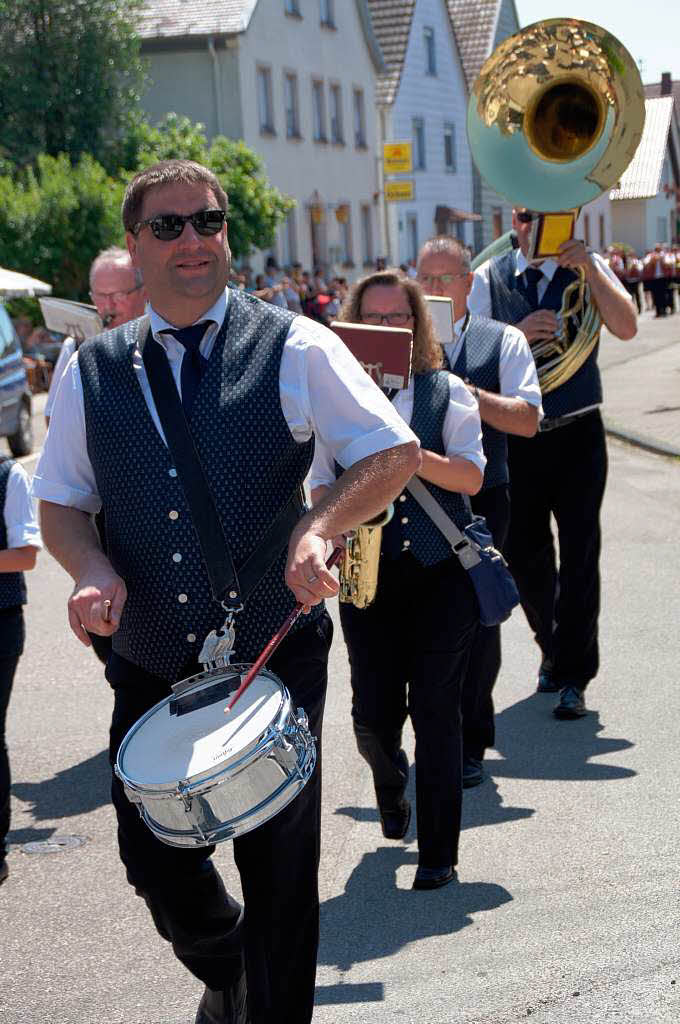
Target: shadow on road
374,919
79,789
536,745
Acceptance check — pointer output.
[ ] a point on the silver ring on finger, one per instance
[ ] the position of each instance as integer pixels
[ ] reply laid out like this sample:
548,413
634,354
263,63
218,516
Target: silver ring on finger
312,579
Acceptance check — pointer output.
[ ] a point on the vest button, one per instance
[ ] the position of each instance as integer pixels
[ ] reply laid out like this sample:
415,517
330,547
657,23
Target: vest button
177,557
233,594
191,638
173,514
407,543
404,519
402,497
182,598
172,471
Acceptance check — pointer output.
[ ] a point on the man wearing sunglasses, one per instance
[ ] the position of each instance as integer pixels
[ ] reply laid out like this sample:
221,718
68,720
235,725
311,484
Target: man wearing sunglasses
256,383
562,471
495,361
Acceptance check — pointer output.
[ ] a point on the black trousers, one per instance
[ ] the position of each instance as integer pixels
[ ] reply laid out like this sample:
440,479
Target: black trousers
563,472
11,647
408,654
633,289
485,657
276,934
661,294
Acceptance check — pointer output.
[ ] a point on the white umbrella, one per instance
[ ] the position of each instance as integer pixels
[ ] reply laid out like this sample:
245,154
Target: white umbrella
14,284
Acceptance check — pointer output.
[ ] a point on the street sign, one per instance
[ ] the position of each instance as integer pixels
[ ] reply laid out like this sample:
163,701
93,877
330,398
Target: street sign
397,191
397,158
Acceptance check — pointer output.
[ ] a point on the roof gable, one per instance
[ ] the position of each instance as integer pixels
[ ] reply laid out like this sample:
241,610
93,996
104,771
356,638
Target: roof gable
172,18
642,177
474,25
391,21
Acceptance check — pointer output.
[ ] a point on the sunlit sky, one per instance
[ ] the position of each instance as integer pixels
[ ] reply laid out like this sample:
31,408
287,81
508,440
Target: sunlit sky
649,29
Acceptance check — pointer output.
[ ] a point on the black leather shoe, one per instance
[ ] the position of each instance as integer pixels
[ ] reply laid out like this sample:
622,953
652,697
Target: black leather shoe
546,683
433,878
572,704
224,1006
395,820
4,871
473,772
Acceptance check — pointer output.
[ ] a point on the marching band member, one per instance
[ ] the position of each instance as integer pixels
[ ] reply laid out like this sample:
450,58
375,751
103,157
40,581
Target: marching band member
561,471
19,545
256,384
495,361
409,649
657,271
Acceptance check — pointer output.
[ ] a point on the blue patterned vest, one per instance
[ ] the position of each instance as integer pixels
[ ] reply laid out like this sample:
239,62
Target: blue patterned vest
479,361
250,457
510,304
12,584
411,529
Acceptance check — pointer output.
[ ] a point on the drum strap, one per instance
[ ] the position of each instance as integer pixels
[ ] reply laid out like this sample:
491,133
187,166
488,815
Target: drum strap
230,587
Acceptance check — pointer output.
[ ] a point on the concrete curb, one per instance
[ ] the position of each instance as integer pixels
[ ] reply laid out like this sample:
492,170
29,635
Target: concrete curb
649,444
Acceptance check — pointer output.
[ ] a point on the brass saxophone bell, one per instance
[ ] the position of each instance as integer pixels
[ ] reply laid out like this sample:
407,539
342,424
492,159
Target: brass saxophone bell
359,568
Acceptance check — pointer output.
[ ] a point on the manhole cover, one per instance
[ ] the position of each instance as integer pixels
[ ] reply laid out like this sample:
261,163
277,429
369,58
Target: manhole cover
55,844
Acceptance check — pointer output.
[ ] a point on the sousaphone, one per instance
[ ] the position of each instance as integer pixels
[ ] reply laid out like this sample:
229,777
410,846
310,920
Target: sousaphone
555,117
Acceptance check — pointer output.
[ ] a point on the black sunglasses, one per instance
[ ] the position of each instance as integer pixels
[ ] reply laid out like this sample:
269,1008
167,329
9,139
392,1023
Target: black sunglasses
168,226
525,216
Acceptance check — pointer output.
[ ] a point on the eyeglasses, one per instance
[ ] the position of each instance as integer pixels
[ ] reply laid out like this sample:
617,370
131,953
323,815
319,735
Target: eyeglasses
525,216
392,319
168,226
114,296
445,279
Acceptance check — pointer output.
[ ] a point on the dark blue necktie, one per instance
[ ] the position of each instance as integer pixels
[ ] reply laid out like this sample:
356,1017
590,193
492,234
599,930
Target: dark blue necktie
533,275
193,363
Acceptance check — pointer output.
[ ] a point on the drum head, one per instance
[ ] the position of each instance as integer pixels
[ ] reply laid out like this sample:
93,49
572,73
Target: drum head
164,748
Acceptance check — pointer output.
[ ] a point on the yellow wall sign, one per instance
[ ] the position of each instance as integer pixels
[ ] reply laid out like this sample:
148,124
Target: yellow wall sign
397,158
399,190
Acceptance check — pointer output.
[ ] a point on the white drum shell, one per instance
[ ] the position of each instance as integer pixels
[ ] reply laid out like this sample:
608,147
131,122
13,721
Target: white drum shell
231,798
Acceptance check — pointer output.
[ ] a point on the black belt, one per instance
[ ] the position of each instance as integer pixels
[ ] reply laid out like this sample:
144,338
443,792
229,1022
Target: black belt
563,421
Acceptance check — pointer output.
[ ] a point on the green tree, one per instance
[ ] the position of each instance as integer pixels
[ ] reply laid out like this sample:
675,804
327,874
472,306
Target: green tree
55,218
70,77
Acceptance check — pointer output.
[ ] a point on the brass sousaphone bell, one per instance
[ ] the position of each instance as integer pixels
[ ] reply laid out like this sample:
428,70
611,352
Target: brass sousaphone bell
555,117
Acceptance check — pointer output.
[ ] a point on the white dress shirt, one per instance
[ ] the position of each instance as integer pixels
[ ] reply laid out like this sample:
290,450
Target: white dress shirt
21,524
323,391
479,300
68,347
461,432
517,369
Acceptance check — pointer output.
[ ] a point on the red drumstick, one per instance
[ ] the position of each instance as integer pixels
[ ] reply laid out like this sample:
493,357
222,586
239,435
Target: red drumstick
266,654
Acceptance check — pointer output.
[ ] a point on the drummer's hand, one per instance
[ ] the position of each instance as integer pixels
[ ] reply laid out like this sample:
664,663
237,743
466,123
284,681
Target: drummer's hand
306,572
96,605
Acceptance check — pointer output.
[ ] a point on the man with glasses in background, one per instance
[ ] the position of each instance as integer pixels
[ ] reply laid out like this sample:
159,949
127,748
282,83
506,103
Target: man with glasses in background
256,384
116,289
496,363
562,471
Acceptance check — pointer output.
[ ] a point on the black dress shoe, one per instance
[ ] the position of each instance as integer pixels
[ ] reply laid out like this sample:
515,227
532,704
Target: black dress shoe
473,772
546,683
433,878
571,705
395,820
4,871
224,1006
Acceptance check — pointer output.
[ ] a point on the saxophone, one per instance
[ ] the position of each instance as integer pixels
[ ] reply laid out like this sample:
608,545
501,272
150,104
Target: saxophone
359,567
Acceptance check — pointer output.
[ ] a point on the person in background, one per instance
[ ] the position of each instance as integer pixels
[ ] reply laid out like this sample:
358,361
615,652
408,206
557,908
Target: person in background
19,545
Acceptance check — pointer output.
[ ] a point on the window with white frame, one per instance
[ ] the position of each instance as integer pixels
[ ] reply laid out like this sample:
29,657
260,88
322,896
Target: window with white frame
430,53
327,10
367,234
264,99
336,113
359,118
418,144
292,107
318,111
412,236
346,246
450,148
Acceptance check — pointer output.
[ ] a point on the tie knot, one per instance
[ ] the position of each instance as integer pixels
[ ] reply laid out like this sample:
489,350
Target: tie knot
191,337
533,275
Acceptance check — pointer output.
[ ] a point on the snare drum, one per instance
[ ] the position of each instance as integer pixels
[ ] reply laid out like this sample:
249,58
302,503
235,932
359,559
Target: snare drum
200,776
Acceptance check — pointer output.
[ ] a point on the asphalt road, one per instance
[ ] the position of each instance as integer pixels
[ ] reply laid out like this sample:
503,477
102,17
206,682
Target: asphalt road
567,904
